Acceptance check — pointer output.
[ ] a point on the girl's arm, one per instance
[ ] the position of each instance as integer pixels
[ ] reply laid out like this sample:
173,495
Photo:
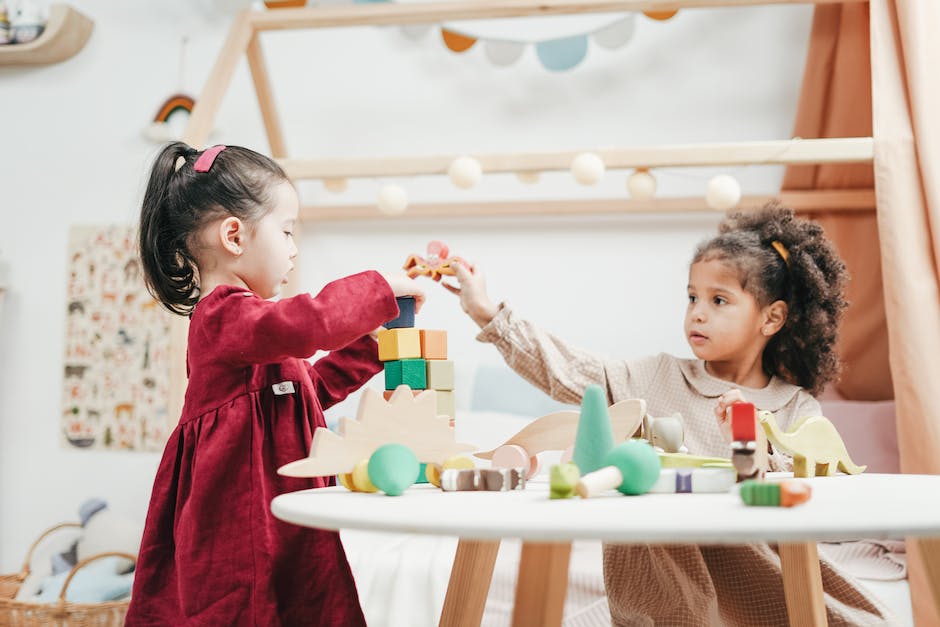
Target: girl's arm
340,373
256,331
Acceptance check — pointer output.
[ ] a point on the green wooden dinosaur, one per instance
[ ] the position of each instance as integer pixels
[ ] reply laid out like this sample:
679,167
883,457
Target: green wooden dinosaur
814,443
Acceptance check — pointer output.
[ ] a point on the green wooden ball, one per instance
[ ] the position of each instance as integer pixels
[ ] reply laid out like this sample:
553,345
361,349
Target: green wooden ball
393,468
638,463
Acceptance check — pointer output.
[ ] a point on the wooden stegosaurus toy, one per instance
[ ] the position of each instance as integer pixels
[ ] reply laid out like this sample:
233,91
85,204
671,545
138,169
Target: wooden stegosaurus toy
406,418
814,443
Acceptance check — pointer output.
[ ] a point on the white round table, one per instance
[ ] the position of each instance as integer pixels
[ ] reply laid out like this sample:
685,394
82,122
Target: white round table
841,508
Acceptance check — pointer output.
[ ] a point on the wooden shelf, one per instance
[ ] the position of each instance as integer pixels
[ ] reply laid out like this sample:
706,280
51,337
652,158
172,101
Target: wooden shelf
65,34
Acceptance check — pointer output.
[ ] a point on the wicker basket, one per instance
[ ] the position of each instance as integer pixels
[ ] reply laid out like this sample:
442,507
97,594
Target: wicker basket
62,613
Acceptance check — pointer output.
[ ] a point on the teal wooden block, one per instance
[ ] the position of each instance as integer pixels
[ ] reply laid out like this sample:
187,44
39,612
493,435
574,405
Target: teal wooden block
410,372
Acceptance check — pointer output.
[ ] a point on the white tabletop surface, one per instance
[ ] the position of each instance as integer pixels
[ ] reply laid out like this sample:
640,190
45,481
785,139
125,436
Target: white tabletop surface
841,508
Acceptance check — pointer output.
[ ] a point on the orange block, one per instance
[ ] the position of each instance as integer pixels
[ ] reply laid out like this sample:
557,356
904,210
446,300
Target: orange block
433,344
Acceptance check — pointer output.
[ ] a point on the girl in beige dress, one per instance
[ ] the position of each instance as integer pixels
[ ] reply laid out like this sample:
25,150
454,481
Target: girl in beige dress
765,299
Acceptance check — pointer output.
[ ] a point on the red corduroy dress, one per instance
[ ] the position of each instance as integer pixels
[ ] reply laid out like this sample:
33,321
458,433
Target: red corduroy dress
212,553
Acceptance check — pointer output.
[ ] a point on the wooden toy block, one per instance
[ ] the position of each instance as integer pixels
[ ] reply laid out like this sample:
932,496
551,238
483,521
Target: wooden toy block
666,433
631,467
694,480
684,460
748,442
488,479
410,372
399,344
433,344
775,493
445,403
440,374
393,468
387,394
814,443
406,419
563,480
459,462
556,431
406,314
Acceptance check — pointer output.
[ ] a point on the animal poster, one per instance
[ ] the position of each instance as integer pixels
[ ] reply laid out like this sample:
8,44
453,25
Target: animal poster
117,339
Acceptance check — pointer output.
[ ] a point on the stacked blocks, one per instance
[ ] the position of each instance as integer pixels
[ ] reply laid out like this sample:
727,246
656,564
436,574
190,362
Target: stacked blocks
417,358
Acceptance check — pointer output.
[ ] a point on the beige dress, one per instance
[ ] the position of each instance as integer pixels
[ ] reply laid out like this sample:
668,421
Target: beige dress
681,585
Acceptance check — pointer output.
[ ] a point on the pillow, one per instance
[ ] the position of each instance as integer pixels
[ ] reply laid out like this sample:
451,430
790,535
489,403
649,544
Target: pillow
95,582
868,430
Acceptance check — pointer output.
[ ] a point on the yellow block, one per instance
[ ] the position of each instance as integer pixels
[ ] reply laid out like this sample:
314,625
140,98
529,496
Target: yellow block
399,344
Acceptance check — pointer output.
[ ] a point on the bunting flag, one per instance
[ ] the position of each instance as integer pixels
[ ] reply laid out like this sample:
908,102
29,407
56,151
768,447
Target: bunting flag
564,48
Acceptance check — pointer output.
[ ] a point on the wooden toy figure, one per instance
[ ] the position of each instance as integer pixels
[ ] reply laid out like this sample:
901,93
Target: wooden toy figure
748,444
436,264
814,443
775,493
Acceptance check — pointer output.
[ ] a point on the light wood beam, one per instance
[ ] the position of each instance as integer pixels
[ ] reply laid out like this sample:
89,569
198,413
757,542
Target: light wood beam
423,13
259,75
800,201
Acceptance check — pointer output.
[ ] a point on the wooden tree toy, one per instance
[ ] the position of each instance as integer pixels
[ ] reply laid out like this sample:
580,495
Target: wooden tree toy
595,437
775,493
748,443
405,418
632,468
816,446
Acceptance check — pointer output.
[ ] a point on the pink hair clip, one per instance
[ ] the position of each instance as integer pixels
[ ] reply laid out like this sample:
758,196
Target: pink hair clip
207,158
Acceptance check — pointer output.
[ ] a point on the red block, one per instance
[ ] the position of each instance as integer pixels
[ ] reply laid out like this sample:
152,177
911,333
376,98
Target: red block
743,422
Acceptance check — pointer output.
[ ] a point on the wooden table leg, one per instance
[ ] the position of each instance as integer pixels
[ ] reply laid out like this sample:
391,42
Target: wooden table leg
469,583
930,554
542,584
802,584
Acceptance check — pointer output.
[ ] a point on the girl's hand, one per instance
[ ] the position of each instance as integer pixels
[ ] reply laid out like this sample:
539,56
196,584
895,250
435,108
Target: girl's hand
473,297
403,285
725,401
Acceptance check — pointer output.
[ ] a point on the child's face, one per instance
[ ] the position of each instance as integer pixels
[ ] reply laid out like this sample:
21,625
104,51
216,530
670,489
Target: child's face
723,321
269,249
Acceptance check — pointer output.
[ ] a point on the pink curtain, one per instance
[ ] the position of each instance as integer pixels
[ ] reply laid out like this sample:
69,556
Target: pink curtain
905,59
836,102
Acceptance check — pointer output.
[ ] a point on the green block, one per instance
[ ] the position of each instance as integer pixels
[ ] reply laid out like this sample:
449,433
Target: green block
410,372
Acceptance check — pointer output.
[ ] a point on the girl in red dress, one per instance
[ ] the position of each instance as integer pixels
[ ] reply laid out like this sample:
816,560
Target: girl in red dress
215,244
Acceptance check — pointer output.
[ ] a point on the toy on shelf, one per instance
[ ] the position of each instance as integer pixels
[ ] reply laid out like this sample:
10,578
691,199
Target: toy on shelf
814,443
775,493
436,264
557,431
694,480
748,443
482,479
632,468
408,419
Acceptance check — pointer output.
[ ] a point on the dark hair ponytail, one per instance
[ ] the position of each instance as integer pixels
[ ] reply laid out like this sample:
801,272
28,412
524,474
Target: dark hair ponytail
802,269
179,202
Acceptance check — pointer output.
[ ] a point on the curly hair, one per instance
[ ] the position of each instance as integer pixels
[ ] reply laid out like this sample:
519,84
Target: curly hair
810,280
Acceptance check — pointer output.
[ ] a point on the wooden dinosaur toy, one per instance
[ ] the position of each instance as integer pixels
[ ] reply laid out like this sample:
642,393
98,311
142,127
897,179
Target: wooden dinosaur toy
814,443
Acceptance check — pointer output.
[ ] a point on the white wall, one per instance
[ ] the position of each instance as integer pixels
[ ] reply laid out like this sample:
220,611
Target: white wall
73,153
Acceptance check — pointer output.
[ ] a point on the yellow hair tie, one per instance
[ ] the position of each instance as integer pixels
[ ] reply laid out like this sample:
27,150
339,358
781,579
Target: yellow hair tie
782,251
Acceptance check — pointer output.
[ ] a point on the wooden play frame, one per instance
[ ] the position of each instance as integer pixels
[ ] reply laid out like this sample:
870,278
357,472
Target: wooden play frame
474,560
